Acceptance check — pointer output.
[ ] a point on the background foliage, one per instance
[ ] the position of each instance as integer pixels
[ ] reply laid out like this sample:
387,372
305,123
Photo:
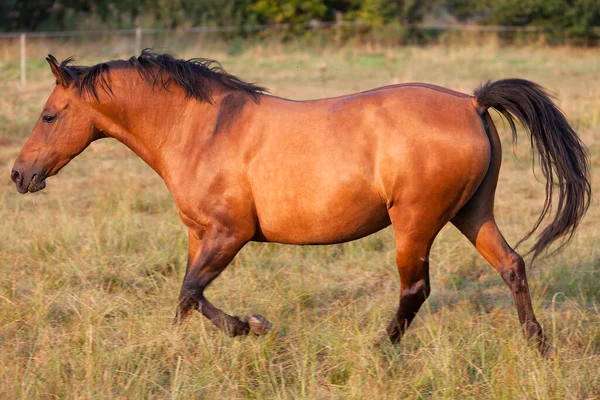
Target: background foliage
560,19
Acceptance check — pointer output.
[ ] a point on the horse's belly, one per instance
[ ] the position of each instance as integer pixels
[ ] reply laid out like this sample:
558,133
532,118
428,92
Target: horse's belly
314,219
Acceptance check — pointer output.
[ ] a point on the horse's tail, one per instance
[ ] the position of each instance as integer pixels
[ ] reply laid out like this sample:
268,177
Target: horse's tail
563,158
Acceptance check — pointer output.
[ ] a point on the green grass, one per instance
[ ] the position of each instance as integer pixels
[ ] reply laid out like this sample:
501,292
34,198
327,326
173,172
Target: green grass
90,269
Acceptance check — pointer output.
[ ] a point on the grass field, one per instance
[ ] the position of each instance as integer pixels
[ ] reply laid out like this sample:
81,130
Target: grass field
90,268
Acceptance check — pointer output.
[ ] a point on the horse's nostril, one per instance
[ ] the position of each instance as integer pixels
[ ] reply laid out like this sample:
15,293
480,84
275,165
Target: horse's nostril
15,176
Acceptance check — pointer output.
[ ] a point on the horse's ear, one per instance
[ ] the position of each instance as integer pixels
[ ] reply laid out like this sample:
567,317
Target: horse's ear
62,77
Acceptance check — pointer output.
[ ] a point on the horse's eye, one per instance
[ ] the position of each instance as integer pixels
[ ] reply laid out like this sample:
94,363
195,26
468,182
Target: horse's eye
48,118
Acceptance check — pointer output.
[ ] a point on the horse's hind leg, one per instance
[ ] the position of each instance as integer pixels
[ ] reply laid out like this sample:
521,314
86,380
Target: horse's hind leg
413,243
488,240
476,221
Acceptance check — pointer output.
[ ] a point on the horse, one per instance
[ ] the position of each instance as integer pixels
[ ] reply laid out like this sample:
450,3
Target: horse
243,165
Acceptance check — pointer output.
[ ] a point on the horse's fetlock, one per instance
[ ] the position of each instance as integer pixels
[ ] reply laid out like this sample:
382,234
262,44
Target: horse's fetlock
239,328
420,287
533,329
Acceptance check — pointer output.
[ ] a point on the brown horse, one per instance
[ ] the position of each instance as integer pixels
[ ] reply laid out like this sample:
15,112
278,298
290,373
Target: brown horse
246,166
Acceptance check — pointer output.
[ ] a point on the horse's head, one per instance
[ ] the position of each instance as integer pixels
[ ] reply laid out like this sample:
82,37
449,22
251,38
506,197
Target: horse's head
63,130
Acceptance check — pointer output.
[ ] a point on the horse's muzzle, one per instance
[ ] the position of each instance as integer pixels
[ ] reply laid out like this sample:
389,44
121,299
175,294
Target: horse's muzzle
28,181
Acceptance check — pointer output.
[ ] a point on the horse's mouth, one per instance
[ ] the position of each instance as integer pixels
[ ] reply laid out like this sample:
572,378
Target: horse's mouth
36,183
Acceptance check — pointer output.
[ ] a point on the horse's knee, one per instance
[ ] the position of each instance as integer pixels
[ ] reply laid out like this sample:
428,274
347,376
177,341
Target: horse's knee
513,273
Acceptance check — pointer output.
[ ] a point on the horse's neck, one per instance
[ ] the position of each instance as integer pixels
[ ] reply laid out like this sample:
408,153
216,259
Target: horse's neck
157,125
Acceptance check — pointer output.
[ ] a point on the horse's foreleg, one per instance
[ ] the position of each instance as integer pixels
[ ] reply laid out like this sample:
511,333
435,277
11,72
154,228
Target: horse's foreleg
185,309
205,262
207,259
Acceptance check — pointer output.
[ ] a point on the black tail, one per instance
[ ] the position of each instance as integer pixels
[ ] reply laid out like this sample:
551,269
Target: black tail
563,157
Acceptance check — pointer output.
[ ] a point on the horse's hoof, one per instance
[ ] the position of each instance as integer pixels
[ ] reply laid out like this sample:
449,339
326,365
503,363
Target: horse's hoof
259,325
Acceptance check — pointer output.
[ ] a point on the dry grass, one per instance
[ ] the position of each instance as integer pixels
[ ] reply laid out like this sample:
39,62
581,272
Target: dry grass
90,269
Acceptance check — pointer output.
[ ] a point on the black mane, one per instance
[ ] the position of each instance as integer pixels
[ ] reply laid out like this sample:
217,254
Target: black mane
160,70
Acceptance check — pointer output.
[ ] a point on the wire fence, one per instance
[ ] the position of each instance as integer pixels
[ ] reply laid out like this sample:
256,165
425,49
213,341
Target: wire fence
140,34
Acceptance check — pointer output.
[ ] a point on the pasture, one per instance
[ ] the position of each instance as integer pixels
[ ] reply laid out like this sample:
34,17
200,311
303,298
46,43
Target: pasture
90,268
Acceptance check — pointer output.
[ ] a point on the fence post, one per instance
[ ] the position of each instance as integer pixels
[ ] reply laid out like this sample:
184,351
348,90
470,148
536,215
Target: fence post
23,60
338,28
138,41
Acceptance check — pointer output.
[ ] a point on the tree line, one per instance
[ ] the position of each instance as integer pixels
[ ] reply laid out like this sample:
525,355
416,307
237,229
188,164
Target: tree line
559,18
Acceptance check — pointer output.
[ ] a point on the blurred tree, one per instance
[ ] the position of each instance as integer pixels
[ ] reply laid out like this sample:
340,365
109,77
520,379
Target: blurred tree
20,15
560,18
464,10
287,11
